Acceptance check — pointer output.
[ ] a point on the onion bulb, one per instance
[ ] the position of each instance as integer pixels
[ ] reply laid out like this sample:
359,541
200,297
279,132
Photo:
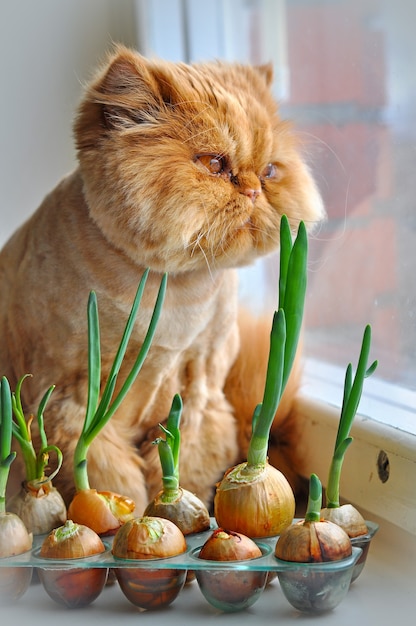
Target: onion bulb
14,540
72,586
187,511
103,511
39,505
14,536
230,589
313,540
257,502
71,541
148,538
348,518
225,545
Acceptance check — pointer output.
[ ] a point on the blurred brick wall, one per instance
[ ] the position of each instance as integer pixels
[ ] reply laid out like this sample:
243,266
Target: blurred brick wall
337,95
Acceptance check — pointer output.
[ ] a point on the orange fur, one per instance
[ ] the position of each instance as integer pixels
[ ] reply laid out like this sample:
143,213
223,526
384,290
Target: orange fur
144,196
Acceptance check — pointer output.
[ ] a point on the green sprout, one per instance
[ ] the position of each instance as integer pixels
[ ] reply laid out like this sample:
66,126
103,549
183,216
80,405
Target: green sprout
284,336
351,398
35,464
168,449
313,510
6,429
100,409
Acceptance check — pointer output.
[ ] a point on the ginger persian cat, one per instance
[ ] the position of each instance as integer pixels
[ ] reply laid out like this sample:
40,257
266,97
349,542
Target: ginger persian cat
184,169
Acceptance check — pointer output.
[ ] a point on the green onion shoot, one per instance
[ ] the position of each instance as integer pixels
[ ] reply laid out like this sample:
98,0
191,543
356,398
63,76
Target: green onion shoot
105,514
173,502
346,515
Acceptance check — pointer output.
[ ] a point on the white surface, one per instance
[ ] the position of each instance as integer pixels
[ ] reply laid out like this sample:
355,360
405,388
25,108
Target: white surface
394,499
383,595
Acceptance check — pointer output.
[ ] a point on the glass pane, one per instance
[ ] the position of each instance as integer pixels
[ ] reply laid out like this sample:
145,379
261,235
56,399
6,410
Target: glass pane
351,93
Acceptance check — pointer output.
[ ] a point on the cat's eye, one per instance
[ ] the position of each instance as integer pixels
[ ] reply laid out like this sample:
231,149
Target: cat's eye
270,171
215,164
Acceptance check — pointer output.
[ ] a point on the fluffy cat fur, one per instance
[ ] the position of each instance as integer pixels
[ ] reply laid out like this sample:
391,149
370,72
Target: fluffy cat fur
185,169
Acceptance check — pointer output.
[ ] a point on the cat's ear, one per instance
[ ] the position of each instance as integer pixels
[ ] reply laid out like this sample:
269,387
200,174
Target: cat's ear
266,70
129,92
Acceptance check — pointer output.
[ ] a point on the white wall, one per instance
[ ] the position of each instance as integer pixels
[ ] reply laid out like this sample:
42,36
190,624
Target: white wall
48,48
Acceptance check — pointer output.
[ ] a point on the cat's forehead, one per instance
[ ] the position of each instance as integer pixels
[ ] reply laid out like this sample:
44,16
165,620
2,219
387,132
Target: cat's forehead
220,84
231,106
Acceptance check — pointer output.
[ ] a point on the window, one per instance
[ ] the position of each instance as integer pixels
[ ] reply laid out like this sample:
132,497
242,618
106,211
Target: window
344,74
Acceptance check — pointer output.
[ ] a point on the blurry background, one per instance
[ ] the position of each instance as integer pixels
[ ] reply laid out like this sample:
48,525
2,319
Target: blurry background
344,73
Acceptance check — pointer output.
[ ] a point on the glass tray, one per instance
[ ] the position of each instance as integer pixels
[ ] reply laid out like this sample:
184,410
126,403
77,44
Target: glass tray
188,560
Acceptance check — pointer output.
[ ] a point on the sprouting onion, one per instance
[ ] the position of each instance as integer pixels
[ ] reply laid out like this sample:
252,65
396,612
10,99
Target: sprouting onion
174,502
38,503
105,511
313,539
154,538
74,586
14,536
346,515
254,498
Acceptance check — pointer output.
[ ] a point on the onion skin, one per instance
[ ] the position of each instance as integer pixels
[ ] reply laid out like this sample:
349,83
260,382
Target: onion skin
39,505
225,545
151,588
14,536
148,538
313,542
71,541
102,511
72,587
187,511
259,505
75,587
14,539
228,589
346,516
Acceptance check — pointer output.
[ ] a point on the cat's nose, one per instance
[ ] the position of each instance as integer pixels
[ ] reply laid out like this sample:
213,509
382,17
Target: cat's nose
251,193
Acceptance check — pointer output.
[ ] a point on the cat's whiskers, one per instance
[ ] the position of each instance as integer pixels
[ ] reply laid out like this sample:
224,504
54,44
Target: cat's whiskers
196,243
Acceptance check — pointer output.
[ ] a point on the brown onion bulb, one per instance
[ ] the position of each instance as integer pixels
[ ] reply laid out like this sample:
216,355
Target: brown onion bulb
14,536
73,586
103,511
14,540
39,505
346,516
187,511
148,538
257,505
225,545
71,541
313,542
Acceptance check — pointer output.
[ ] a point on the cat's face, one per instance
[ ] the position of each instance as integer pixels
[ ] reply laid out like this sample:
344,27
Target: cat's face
189,166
